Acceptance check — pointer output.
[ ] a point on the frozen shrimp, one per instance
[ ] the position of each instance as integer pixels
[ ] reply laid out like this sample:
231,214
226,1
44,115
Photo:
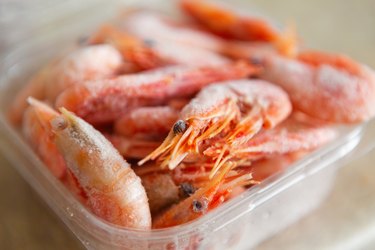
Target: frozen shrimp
330,87
229,23
113,191
240,109
153,51
104,101
202,200
93,62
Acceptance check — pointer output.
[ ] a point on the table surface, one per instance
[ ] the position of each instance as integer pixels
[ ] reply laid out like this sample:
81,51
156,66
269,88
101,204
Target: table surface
345,220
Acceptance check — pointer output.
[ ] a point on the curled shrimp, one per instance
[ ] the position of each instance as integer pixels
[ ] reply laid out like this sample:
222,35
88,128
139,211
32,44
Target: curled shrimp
221,20
113,191
239,109
330,87
204,199
93,62
104,101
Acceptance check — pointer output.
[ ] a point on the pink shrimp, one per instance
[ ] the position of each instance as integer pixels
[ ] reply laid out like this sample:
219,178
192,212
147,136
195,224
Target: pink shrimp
228,23
113,191
94,62
203,200
105,100
151,52
239,109
326,86
147,122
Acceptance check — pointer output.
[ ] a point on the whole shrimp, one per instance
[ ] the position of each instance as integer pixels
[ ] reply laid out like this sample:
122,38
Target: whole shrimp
204,199
104,101
331,87
113,191
239,109
226,22
152,51
93,62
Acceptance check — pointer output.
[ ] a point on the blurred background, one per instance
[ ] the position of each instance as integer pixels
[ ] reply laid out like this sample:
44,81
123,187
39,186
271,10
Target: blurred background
346,220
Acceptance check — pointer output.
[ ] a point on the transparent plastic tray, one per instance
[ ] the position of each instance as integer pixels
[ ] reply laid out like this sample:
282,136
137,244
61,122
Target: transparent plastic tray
241,223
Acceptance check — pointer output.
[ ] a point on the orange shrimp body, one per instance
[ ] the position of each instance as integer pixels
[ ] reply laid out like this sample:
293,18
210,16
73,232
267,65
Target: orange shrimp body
239,109
105,100
114,192
136,52
326,86
222,21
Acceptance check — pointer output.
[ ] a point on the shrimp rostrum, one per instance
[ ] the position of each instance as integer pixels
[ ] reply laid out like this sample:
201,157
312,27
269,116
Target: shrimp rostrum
233,111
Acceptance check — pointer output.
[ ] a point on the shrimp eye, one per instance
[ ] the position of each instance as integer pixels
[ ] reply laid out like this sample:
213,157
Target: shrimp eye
256,61
186,189
59,123
199,206
149,42
179,127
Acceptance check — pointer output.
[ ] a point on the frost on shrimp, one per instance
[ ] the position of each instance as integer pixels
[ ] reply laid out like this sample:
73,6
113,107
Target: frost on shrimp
234,110
104,100
93,62
113,191
330,87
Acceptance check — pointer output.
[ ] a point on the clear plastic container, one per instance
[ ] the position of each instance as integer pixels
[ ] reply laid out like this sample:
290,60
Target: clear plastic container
241,223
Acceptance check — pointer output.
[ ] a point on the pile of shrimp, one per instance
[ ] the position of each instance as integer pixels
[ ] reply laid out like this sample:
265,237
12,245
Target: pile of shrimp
152,122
